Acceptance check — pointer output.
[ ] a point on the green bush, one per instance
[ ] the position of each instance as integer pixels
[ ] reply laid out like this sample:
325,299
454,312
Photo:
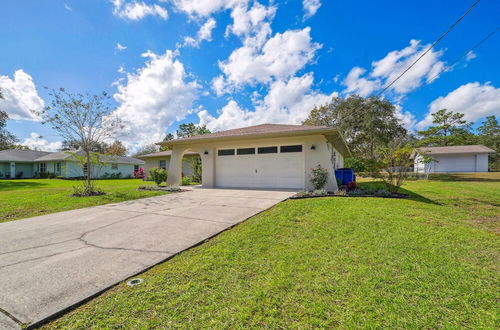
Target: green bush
319,177
358,165
186,181
158,175
83,190
116,175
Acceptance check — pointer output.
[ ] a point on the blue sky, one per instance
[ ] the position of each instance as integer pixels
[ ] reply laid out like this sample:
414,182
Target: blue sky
233,63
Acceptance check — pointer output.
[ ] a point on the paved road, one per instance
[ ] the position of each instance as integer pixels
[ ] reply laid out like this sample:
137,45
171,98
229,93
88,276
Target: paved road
52,262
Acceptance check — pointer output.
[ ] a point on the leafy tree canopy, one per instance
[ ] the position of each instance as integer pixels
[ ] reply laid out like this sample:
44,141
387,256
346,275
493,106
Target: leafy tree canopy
448,129
186,130
367,124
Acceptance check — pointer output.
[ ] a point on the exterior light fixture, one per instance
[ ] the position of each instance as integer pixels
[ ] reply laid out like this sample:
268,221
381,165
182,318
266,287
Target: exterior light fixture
313,147
206,152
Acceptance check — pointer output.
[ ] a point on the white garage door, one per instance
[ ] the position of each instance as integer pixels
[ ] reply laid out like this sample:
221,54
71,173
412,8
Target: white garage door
260,167
466,163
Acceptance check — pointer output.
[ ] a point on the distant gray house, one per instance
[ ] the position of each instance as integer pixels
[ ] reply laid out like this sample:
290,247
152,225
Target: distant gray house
29,164
472,158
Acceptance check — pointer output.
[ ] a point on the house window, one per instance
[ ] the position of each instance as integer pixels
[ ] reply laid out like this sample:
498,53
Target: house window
268,150
85,169
136,167
114,166
245,151
225,152
58,167
43,167
163,164
297,148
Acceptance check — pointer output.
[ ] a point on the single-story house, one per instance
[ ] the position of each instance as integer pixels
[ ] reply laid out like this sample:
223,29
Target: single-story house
472,158
262,156
162,160
28,164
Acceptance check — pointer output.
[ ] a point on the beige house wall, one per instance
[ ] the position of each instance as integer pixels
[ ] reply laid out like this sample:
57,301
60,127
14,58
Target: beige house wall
317,150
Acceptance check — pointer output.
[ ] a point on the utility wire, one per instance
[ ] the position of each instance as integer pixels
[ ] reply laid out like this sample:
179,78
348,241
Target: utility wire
458,59
430,47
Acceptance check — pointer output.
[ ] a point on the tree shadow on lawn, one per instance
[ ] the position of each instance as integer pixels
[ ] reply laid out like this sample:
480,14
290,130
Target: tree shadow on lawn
414,196
16,185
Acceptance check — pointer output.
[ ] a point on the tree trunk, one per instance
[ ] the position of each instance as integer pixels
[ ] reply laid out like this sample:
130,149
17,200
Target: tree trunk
89,171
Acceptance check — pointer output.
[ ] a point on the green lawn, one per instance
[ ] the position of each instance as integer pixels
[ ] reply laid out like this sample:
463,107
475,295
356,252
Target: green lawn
431,261
28,198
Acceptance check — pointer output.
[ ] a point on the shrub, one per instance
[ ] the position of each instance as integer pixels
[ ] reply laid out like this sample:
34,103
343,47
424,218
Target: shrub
105,175
396,162
116,175
319,177
186,181
352,185
19,175
139,174
84,190
158,175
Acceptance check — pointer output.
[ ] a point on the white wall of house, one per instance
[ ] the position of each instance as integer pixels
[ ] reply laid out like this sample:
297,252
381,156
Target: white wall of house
453,163
71,169
271,170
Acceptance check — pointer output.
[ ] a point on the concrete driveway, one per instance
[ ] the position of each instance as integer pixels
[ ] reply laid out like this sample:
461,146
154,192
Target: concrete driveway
52,262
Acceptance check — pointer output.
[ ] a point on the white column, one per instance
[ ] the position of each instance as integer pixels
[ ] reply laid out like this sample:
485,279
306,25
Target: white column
175,167
207,167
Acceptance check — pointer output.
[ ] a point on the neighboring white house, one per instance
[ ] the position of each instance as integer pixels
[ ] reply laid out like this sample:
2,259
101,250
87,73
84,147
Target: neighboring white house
29,164
262,156
162,160
452,159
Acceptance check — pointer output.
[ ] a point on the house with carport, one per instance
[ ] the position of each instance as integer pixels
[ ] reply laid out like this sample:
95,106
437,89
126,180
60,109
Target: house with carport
268,156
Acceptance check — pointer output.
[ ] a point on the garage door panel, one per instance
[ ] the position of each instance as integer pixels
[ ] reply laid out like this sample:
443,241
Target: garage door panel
274,170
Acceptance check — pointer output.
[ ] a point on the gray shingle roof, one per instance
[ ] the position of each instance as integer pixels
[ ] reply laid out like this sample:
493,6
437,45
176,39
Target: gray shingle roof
42,156
15,155
473,149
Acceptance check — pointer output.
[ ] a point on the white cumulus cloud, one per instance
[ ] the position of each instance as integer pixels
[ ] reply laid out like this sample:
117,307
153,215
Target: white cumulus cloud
392,65
136,10
475,100
206,8
287,102
360,85
36,142
20,96
119,47
310,7
153,98
205,33
281,57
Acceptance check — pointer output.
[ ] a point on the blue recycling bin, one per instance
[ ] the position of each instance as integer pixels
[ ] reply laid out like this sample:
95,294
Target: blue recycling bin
345,175
339,176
